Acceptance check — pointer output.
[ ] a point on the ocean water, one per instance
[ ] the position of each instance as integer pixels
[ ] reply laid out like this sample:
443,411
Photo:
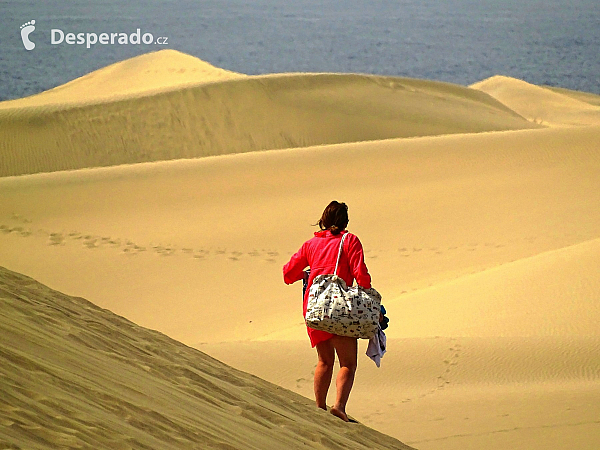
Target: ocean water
547,42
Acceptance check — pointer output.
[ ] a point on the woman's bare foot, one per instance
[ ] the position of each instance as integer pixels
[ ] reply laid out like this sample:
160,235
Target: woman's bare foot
339,413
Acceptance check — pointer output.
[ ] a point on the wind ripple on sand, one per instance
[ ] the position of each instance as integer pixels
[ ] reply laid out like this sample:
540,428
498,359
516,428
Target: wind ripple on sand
74,375
214,112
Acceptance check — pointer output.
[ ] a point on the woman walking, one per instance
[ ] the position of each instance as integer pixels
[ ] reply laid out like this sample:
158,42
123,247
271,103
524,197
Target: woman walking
320,254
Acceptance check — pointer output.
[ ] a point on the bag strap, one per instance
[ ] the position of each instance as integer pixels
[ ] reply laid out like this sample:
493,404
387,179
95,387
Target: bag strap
339,253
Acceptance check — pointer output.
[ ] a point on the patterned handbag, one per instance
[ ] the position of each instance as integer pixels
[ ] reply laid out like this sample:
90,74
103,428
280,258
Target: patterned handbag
338,309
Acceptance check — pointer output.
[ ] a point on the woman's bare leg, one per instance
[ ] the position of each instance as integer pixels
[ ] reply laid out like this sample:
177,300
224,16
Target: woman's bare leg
324,372
347,350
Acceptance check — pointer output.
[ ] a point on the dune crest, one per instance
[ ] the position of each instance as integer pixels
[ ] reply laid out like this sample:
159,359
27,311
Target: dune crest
478,213
141,75
168,115
541,105
586,97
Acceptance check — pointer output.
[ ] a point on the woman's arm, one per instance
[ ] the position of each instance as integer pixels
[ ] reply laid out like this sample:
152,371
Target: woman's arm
294,269
356,258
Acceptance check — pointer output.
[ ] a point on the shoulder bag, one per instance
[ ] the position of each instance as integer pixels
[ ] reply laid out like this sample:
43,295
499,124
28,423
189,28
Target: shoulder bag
338,309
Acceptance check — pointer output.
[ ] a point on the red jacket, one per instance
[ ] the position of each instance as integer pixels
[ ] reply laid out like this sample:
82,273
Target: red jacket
320,253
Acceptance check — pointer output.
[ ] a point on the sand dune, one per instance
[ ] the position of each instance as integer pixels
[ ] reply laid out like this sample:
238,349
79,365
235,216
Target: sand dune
142,75
505,358
477,208
457,392
74,375
122,121
542,105
488,241
451,206
587,97
510,301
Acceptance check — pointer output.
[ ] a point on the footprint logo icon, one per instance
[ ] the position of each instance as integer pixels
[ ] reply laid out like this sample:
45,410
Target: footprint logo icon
26,29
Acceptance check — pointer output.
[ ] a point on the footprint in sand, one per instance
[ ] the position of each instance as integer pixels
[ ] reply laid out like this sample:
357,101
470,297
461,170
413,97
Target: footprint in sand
56,239
112,242
168,251
90,241
20,218
163,251
26,29
235,256
301,382
443,380
131,248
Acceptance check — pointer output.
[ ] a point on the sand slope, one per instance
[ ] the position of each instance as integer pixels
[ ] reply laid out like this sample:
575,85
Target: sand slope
454,204
483,243
487,265
74,375
543,105
504,358
509,300
587,97
165,117
142,75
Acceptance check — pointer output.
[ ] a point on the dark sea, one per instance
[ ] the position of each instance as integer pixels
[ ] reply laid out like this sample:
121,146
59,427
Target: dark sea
549,42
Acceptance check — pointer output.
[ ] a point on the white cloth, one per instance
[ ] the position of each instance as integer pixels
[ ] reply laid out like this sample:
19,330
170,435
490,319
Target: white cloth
376,347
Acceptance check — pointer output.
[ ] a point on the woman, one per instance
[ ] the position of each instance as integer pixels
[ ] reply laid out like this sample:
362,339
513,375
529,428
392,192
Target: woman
320,253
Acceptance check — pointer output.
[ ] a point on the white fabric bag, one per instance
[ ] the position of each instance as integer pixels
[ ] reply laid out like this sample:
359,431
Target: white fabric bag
342,310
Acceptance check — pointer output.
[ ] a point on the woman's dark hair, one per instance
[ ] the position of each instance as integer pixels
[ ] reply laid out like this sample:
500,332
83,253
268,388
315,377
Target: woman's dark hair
334,218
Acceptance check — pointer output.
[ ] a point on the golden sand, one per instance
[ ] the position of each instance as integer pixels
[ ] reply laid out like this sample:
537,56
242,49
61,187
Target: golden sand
477,207
77,376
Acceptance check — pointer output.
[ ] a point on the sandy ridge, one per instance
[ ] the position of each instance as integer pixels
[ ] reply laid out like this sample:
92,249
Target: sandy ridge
101,216
144,75
538,104
479,218
67,128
